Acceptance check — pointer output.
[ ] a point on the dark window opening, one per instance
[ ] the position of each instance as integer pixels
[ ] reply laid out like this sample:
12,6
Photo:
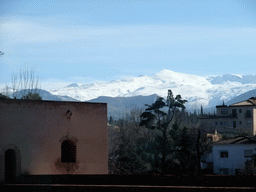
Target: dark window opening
234,114
248,153
248,113
223,154
234,124
224,111
68,152
10,165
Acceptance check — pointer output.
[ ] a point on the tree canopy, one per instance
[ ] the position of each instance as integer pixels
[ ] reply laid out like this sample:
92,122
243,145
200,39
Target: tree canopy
4,96
156,118
32,96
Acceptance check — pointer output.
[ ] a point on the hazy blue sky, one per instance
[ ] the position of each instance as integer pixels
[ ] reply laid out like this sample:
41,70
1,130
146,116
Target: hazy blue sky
85,41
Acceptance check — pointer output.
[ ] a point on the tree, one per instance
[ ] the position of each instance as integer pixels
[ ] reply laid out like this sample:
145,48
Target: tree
26,80
25,84
155,118
126,146
110,121
249,167
4,96
32,96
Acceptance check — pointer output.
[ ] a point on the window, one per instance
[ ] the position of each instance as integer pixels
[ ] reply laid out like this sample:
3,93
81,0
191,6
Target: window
234,114
248,113
10,165
234,124
224,111
240,110
240,122
216,123
68,152
248,153
221,123
223,154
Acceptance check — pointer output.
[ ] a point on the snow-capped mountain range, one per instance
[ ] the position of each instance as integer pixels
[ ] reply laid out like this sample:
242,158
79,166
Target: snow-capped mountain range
206,91
138,91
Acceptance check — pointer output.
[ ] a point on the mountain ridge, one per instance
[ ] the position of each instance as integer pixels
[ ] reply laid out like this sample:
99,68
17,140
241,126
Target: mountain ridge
200,91
206,91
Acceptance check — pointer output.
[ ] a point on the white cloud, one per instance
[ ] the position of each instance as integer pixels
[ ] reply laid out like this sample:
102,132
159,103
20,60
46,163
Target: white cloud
28,31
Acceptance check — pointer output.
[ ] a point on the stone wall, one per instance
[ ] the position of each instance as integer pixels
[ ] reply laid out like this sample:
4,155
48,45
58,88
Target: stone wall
38,128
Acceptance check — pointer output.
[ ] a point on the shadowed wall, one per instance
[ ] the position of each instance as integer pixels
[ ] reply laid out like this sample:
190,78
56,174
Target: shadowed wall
39,128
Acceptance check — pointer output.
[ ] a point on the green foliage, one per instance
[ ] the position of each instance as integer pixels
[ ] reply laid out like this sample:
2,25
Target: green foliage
155,118
250,166
156,140
183,153
127,143
32,96
110,121
4,96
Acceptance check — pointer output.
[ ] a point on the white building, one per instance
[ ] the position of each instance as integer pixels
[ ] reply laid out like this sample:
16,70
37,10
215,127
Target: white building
229,156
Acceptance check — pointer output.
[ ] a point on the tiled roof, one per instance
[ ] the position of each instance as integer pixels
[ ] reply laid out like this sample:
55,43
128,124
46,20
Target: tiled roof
237,140
251,101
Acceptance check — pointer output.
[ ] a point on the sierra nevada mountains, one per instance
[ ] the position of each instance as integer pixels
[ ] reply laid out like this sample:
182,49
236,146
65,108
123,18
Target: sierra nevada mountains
206,91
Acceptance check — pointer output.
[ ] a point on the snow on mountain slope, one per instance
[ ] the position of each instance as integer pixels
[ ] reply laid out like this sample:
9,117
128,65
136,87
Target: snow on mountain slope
245,79
206,91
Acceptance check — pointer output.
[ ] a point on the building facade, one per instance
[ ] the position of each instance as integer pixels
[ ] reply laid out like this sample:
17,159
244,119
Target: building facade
51,137
238,117
229,156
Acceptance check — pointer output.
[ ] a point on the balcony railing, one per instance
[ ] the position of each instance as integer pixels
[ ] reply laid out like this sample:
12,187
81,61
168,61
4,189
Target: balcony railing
231,115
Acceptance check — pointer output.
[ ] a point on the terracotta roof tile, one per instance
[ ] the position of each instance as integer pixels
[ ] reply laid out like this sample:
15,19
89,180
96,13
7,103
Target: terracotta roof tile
252,100
237,140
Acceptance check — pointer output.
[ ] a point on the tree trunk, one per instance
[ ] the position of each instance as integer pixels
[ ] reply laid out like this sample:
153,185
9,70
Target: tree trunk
163,163
198,153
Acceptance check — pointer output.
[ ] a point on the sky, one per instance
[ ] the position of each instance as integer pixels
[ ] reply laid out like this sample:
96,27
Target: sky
84,41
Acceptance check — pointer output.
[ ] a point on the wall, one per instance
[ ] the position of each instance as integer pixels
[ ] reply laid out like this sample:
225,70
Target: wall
37,129
235,160
254,121
227,122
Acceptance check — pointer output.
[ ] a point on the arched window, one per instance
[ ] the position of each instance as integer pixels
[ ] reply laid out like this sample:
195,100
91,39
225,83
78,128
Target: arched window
10,165
68,152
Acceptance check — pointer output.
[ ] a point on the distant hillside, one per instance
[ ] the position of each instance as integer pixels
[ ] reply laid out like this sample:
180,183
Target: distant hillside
118,106
46,95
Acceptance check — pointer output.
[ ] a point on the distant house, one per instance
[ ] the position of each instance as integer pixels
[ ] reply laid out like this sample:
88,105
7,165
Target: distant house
52,137
229,156
238,117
